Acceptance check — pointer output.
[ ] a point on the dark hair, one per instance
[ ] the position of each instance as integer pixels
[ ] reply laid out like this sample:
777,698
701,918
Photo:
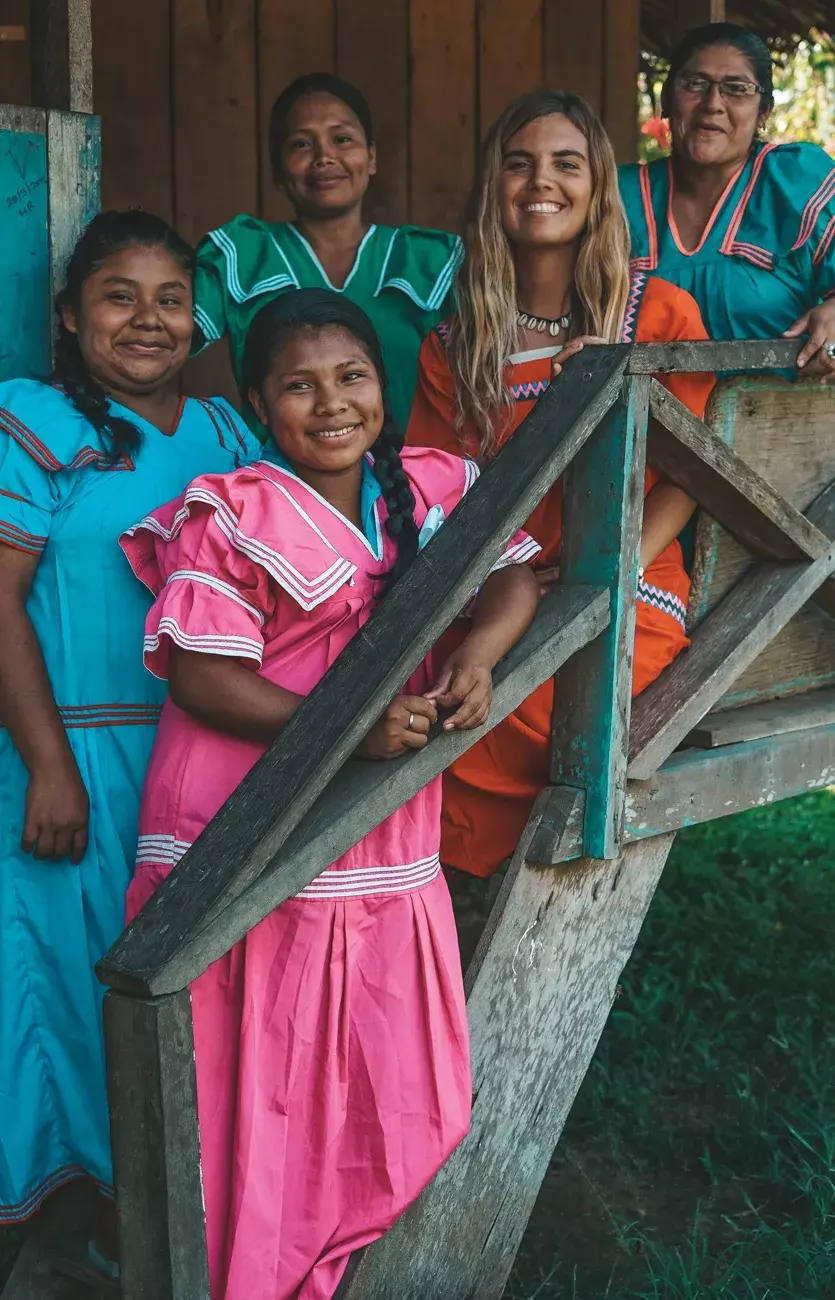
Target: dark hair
314,83
315,310
749,44
108,233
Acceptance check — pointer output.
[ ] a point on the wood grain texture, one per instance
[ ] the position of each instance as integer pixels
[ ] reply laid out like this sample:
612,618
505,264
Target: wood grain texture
294,37
132,95
560,829
246,836
756,721
215,118
688,453
784,430
372,52
573,42
669,358
722,646
621,56
73,151
363,794
701,785
443,110
511,55
60,50
540,990
593,693
152,1089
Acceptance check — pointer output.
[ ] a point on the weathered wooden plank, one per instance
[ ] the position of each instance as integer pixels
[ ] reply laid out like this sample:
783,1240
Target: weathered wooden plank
132,95
365,28
294,37
559,833
73,150
247,834
722,646
593,693
60,51
621,58
156,1147
540,989
693,358
691,455
363,794
573,45
511,55
701,785
15,71
25,322
443,110
756,721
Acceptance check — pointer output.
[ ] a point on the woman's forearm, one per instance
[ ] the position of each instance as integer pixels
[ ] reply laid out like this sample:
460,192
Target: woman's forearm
503,611
225,694
27,706
666,511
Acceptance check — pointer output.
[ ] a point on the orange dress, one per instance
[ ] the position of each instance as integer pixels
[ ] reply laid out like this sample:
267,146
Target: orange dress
489,791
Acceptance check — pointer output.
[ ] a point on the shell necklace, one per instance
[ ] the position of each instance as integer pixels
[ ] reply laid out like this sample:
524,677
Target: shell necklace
542,323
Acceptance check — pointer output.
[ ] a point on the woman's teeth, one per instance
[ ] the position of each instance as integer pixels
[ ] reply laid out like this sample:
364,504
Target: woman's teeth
333,433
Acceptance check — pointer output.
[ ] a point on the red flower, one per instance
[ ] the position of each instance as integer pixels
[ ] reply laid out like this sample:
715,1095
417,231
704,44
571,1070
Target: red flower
659,129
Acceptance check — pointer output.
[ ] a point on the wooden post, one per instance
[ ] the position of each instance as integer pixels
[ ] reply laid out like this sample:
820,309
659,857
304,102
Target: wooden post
540,989
61,54
694,13
156,1147
603,484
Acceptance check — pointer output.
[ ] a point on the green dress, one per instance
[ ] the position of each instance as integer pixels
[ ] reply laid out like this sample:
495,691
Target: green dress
402,277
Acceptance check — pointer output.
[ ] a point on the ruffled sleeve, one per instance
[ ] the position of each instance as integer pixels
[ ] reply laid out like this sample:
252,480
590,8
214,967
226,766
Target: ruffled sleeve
212,597
43,440
236,263
422,264
439,481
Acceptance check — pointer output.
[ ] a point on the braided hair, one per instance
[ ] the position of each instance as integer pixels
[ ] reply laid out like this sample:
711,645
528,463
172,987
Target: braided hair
319,309
108,233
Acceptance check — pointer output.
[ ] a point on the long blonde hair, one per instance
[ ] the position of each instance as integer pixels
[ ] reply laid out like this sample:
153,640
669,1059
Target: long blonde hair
485,332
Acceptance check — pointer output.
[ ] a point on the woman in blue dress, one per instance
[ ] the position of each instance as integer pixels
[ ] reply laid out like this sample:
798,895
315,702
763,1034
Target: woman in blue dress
747,227
81,460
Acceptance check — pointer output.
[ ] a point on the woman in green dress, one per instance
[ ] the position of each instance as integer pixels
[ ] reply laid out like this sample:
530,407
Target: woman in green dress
323,157
744,225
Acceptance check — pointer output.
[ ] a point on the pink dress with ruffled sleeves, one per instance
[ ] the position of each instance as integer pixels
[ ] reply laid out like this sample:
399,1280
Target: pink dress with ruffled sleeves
333,1073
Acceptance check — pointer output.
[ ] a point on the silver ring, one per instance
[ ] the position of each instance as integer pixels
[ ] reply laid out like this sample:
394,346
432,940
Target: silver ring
409,723
829,349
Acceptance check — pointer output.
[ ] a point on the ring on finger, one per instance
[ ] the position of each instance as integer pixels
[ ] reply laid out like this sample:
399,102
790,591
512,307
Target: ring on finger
409,723
829,349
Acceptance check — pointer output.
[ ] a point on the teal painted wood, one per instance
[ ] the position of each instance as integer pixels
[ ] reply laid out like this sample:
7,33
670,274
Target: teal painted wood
603,511
24,245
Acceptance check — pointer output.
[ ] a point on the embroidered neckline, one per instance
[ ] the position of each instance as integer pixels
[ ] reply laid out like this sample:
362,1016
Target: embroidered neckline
376,552
714,216
312,255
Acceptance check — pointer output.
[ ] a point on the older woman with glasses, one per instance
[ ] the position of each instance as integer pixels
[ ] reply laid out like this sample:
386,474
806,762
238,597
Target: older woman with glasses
745,226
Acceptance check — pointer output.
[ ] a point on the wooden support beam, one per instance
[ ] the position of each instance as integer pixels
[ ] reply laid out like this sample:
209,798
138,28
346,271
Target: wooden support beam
540,989
73,146
702,785
694,13
756,721
247,834
688,453
363,794
593,693
698,358
724,644
61,54
156,1147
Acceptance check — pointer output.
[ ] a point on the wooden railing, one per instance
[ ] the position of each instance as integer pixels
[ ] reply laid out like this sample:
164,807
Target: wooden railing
541,983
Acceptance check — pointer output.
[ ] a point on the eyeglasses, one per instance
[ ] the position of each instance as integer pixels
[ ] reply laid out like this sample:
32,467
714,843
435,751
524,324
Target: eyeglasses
694,83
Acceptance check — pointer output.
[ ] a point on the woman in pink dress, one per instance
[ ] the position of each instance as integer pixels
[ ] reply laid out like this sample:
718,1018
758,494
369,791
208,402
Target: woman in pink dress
331,1044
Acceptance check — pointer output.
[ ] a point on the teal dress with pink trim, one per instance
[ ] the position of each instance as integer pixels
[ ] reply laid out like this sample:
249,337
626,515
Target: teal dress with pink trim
768,253
63,503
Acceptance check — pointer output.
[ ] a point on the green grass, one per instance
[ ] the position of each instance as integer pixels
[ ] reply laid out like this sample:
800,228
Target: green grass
699,1159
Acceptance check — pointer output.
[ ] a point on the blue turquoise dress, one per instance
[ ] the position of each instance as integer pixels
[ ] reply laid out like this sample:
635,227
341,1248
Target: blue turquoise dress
60,500
768,253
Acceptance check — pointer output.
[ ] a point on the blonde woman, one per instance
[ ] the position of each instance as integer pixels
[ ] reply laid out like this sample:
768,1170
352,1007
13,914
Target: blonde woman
546,273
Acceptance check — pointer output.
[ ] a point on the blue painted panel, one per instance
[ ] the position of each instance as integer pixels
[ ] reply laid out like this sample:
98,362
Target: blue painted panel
25,309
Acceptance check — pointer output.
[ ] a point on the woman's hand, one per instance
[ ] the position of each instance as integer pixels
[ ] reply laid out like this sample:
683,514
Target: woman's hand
465,683
57,813
819,324
392,734
572,347
546,578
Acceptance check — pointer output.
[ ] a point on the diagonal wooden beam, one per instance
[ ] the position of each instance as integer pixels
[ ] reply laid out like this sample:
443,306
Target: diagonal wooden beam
247,834
363,794
697,460
728,640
